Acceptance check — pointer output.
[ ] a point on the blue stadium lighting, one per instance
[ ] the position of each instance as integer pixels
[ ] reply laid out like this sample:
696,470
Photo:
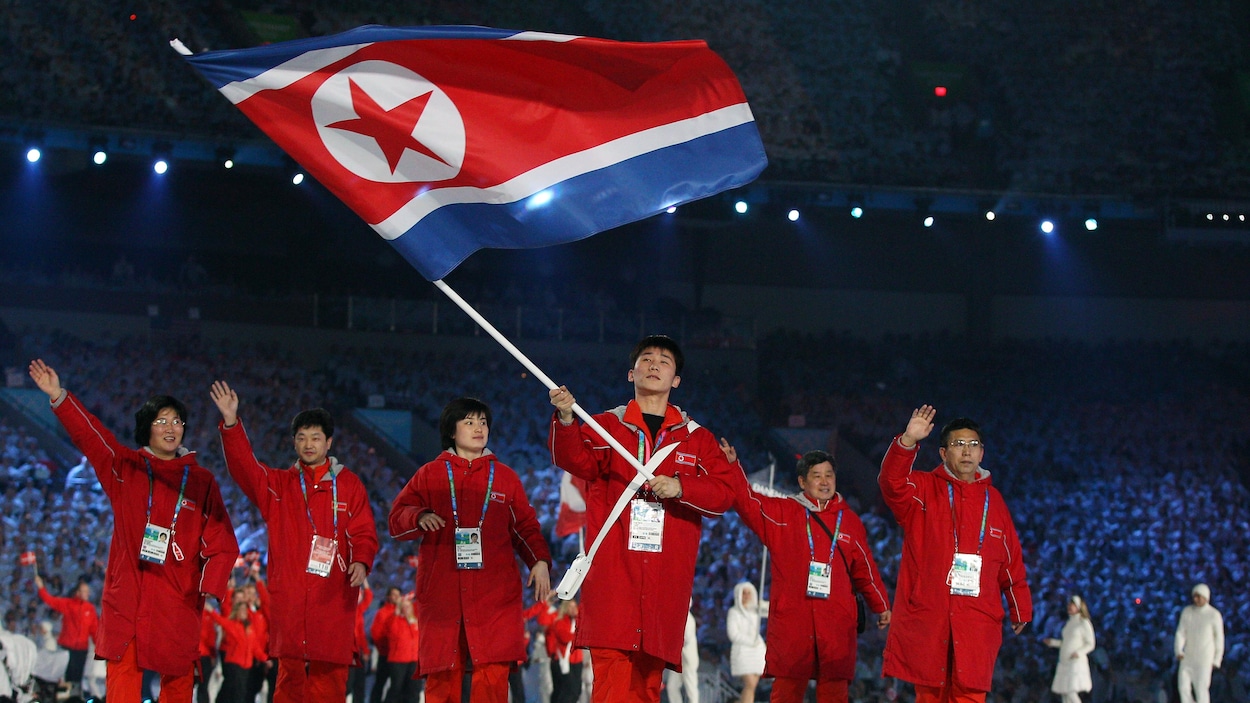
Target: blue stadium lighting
740,207
1048,227
1091,224
671,209
297,179
857,212
793,216
99,157
160,167
33,155
928,221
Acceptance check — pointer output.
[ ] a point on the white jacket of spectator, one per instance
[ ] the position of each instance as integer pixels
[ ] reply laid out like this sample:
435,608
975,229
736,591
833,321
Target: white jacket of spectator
746,656
1072,673
1200,638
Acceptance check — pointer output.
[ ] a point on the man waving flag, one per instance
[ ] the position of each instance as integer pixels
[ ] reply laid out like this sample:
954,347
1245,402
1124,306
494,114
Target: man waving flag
447,140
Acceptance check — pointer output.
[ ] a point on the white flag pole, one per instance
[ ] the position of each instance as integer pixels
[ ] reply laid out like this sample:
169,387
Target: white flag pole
516,353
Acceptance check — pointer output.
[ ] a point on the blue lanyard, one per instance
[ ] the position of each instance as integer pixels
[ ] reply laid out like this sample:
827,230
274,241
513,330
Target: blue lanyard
644,452
985,512
182,491
811,545
455,511
334,496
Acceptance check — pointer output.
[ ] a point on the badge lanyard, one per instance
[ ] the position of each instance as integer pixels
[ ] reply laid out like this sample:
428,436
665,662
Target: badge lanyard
837,530
455,512
644,452
334,508
182,491
985,511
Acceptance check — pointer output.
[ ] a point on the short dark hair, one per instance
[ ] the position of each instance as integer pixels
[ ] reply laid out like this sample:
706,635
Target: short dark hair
457,410
812,458
659,341
146,415
317,417
959,423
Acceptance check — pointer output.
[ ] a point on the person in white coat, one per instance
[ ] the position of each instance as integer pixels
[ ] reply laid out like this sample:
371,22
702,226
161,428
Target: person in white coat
746,656
688,679
1072,676
1199,646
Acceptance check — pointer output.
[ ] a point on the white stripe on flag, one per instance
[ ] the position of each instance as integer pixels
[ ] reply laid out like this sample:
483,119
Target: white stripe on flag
566,167
288,72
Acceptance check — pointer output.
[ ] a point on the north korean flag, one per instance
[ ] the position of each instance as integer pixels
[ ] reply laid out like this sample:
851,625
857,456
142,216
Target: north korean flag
447,140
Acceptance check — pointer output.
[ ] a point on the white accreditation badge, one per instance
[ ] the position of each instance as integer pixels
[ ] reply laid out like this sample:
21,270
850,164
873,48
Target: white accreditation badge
819,579
155,545
468,547
321,556
965,575
646,526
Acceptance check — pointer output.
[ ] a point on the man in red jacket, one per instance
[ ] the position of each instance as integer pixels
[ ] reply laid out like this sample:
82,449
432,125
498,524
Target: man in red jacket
961,555
813,614
172,544
322,541
79,621
635,596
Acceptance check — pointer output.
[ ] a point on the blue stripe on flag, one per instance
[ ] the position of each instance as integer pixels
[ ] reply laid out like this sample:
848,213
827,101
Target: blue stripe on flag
585,205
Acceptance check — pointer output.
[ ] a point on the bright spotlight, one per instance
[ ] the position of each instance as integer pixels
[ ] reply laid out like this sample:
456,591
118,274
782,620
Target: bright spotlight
857,212
228,163
33,155
297,179
740,207
1048,226
1210,217
928,221
793,216
989,215
160,167
540,199
1091,224
99,157
671,209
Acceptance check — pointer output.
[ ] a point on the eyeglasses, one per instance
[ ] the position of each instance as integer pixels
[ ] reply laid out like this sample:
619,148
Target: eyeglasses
972,444
162,421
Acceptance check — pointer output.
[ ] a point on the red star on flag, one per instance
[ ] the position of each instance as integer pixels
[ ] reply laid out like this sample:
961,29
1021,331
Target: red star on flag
391,129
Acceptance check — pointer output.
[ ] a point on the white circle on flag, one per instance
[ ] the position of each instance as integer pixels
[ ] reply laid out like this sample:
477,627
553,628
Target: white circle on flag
385,86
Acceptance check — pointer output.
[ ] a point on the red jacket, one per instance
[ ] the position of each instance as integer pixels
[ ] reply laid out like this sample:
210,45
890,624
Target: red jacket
312,617
484,603
812,638
402,641
377,630
208,635
926,616
156,606
238,640
79,620
637,601
559,635
362,642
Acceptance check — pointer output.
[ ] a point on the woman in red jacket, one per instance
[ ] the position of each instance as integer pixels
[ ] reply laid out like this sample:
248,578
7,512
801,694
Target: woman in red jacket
401,660
79,622
566,660
470,512
172,543
238,644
